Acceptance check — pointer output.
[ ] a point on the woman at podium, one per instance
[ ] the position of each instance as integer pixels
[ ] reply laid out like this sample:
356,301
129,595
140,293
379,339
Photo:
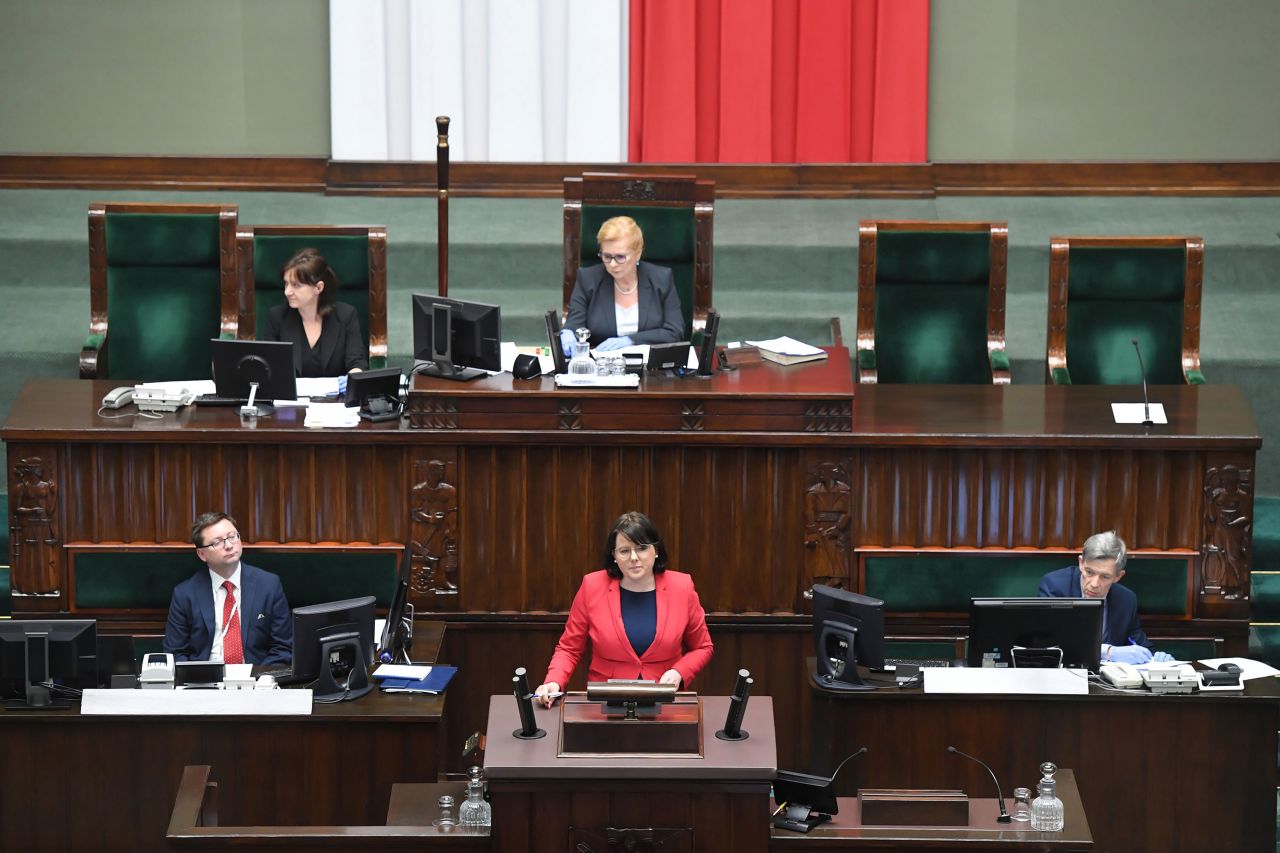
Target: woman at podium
643,621
325,333
623,300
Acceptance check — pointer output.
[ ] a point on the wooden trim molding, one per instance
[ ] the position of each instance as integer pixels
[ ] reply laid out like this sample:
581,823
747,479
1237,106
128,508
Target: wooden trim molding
546,180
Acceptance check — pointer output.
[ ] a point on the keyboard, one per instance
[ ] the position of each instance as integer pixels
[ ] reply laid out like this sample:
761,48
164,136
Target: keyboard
215,400
888,662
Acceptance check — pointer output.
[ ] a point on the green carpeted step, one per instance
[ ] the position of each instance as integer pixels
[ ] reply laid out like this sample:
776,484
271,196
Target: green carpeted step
1264,642
1266,596
1266,532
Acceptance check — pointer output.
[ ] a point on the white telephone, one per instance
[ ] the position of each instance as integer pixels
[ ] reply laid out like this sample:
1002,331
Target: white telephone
157,670
1121,675
118,397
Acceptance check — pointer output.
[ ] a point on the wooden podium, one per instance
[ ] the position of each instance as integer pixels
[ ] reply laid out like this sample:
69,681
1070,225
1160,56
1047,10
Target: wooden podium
713,801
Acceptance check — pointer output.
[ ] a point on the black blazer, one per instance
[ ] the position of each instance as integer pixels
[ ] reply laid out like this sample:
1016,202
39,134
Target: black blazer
341,345
592,305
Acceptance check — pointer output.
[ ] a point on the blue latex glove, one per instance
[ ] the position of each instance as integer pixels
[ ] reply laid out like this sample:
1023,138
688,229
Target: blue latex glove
1130,654
567,340
614,343
1161,657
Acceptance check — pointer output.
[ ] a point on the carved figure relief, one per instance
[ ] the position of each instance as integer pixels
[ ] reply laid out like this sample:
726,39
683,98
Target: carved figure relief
1228,537
434,517
35,542
827,519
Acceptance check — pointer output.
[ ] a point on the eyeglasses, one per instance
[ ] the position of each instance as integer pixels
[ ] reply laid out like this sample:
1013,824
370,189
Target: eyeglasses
295,285
231,538
632,553
613,259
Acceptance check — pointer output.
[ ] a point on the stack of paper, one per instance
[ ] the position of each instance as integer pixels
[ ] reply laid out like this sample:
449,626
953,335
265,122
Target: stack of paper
334,415
785,350
398,678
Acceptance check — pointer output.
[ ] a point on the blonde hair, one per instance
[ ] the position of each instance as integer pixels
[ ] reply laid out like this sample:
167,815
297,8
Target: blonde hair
621,228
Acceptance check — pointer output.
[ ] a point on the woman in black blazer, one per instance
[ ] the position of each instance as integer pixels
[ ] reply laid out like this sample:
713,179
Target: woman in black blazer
325,333
623,301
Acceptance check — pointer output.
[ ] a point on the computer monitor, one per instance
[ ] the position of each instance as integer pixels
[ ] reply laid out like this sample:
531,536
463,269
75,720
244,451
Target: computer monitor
848,631
376,393
397,633
707,348
456,339
38,655
1035,632
333,647
237,364
552,319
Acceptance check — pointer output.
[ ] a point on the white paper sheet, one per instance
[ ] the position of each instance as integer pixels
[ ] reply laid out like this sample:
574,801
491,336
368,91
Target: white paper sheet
787,346
1132,413
333,415
983,679
402,670
1248,668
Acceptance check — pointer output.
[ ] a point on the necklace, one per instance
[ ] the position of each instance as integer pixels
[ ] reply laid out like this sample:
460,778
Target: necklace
626,292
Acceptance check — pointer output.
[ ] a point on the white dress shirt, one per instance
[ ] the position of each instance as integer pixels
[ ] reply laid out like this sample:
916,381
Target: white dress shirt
219,601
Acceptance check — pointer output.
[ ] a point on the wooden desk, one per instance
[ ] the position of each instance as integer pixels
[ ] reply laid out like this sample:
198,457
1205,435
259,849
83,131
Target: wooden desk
719,802
108,783
983,834
1155,772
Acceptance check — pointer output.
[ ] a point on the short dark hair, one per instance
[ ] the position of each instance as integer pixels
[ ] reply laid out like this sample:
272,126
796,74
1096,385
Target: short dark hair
204,522
310,267
637,527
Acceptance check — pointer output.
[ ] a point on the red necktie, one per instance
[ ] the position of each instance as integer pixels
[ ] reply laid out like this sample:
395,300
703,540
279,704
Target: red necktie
232,651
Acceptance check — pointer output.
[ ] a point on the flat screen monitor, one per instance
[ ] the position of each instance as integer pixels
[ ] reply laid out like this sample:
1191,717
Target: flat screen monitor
848,631
238,364
552,318
454,338
707,348
346,627
375,392
38,655
393,646
1035,632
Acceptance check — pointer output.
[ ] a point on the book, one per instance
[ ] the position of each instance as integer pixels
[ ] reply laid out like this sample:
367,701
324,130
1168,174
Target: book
434,682
787,350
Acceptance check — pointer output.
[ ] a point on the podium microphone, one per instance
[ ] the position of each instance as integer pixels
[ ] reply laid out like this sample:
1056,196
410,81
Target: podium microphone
524,703
1146,401
737,708
1004,813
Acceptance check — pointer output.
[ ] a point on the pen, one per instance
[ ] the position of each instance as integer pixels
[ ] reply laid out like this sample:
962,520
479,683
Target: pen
778,810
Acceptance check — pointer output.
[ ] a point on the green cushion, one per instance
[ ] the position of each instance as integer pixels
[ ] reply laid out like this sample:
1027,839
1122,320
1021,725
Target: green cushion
145,580
669,240
1265,604
1264,643
163,239
944,583
931,307
1266,532
1116,295
161,319
348,257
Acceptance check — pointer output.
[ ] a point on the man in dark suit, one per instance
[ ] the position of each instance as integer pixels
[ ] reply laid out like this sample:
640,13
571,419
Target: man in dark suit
231,612
1098,568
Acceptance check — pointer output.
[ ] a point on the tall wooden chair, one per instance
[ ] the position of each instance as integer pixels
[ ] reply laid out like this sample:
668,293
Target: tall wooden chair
675,212
162,282
931,302
356,253
1104,292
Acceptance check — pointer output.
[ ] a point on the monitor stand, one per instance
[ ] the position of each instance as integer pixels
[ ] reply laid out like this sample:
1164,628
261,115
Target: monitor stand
798,818
448,371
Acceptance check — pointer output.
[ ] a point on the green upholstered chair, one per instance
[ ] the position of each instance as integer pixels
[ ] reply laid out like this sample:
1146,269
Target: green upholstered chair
162,282
931,302
675,212
1106,291
356,253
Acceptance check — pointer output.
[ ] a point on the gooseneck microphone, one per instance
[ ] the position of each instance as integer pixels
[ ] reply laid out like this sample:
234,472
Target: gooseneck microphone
841,765
524,703
1146,401
1004,813
737,708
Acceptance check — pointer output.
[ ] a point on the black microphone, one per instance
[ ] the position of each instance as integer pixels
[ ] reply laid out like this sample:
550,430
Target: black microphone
846,761
1004,813
1146,401
737,708
524,703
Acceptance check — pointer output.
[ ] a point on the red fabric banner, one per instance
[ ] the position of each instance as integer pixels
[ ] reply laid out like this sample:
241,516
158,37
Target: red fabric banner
779,81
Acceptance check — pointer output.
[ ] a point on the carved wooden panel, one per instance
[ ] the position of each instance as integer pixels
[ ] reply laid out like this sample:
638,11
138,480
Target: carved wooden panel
434,549
34,542
828,520
1228,532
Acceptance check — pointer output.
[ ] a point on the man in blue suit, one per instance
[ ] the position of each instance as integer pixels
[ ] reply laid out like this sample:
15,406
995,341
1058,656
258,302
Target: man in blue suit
231,612
1099,566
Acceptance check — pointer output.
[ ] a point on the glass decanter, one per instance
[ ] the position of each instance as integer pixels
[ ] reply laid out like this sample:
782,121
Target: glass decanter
582,370
1046,809
475,810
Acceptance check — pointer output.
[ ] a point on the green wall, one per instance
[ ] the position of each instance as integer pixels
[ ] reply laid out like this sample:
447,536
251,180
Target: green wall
1009,79
1104,80
194,77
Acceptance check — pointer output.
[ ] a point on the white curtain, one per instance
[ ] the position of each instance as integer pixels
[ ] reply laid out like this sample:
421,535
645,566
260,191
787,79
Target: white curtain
521,80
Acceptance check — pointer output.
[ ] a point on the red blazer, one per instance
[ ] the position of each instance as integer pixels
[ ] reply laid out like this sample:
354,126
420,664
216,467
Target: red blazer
681,641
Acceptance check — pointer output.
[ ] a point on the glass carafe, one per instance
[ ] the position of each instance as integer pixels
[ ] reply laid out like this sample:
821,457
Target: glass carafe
475,811
1046,809
582,370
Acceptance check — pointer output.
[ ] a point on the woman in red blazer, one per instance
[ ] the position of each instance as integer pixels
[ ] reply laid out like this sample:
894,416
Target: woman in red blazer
643,621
